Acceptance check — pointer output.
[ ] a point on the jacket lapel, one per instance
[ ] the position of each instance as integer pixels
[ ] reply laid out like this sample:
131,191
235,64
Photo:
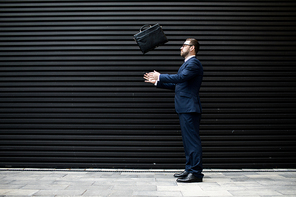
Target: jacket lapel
183,66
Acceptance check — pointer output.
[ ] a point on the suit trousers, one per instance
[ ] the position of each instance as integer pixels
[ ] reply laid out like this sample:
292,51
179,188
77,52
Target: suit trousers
189,123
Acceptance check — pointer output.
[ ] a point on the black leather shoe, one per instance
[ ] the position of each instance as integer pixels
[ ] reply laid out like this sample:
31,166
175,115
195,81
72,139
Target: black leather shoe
189,179
182,174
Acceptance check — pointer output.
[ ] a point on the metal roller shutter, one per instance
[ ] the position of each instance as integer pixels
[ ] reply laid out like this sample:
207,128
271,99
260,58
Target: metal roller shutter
73,96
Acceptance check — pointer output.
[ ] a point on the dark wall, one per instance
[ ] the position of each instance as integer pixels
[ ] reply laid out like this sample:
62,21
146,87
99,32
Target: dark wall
73,96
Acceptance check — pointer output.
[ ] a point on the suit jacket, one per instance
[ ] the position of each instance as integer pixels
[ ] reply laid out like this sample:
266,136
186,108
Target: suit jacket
186,84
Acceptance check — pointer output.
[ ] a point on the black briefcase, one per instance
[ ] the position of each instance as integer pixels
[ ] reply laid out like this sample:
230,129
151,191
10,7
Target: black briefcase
150,37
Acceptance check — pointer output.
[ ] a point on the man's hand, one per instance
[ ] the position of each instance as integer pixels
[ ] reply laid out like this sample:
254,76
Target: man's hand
151,77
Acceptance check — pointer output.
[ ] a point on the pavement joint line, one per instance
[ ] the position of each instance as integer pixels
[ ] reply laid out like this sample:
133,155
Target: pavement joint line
143,170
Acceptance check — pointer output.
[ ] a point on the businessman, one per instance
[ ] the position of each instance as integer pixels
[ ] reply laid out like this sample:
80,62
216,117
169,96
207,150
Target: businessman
186,84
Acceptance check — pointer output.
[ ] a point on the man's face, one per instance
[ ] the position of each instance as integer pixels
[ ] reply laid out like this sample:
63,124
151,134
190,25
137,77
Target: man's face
185,49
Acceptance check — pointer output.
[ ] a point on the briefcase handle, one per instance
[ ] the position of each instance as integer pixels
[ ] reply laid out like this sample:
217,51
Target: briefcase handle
144,27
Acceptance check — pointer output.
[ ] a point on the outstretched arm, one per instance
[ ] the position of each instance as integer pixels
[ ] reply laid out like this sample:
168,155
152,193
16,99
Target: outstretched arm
190,71
153,77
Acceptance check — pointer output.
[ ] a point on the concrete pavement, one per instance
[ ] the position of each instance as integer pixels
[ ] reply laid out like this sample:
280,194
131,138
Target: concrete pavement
146,183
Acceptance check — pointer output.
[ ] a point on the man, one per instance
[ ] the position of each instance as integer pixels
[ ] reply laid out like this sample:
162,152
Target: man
186,84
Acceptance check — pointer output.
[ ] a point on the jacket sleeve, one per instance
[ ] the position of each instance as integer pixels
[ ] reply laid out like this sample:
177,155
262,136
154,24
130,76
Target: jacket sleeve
190,71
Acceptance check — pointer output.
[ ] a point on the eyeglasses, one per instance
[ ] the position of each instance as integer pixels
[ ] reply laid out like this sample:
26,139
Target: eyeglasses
186,45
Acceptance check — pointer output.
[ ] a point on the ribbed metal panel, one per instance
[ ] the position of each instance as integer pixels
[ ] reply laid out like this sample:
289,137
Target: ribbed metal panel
72,92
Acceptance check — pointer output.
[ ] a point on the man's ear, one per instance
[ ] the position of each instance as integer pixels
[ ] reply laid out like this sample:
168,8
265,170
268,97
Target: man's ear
192,48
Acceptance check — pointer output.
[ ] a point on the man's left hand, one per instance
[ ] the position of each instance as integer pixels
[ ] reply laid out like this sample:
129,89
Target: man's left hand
151,77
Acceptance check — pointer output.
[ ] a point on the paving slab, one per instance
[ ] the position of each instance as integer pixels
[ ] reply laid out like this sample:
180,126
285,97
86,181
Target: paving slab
146,183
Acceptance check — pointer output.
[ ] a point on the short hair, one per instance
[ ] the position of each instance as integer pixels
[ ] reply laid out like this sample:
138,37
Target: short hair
195,43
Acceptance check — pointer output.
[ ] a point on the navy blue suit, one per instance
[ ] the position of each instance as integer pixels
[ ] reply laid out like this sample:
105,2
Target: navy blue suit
186,84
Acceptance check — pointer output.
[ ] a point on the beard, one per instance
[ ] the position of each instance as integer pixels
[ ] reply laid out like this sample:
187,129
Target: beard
184,53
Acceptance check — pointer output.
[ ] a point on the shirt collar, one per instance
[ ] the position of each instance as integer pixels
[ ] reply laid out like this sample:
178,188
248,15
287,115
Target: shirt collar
189,58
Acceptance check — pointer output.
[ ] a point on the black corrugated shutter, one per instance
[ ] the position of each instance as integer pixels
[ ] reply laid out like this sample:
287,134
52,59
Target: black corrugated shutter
72,93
